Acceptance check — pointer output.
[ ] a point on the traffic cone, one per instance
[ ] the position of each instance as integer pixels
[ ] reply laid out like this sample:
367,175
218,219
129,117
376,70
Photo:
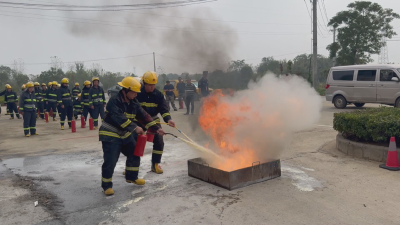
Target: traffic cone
73,126
392,161
46,117
83,122
91,125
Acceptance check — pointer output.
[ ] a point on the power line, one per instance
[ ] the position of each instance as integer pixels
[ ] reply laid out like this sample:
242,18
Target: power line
171,28
311,18
326,14
322,16
104,9
89,60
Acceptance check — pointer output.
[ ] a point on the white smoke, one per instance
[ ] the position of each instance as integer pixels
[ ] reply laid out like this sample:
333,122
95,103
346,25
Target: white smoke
276,108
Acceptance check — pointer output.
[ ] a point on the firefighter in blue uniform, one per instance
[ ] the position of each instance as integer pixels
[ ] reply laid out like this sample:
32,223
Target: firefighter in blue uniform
97,100
12,100
153,102
85,99
119,130
52,99
39,101
77,106
76,90
1,94
27,106
43,93
64,100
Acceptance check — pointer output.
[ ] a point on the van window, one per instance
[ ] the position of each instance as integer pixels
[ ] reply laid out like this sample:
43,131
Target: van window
366,75
387,75
343,75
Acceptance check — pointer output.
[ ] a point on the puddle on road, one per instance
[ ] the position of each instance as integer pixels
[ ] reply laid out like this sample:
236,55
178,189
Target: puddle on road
300,179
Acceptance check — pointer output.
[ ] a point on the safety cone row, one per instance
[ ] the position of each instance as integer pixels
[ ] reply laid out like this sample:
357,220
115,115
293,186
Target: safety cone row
392,161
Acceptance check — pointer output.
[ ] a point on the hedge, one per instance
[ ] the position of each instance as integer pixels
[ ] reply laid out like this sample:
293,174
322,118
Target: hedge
370,125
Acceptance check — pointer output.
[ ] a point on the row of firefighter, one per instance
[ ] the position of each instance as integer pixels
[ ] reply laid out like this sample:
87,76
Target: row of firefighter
36,100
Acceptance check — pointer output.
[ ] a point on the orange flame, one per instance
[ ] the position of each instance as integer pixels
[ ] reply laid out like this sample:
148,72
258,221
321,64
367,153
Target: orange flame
214,121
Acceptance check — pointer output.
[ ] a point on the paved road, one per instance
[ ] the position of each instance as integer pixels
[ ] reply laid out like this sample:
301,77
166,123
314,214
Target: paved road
319,185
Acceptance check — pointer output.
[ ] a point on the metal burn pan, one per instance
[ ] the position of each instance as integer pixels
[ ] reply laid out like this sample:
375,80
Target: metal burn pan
258,172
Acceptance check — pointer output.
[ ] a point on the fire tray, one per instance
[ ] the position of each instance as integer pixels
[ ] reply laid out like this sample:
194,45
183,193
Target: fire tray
258,172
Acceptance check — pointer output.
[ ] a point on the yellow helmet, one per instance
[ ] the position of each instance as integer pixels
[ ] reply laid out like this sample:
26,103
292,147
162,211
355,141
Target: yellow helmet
50,83
95,78
65,81
36,84
23,87
150,77
29,84
79,95
130,83
43,84
54,83
58,85
76,84
87,83
8,86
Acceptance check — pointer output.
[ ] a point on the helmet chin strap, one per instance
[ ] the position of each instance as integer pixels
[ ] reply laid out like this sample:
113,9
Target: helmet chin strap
125,92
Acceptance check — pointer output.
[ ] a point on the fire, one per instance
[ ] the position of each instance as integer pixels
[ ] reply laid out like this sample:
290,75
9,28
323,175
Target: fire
214,120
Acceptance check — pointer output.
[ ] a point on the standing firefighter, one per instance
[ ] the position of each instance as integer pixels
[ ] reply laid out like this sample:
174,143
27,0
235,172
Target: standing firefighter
52,99
39,101
98,101
169,95
152,100
77,106
43,93
12,100
76,90
181,92
1,94
116,133
59,109
203,85
85,100
27,106
64,100
190,94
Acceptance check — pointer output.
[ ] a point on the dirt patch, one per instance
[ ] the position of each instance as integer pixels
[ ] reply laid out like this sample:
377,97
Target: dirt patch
45,198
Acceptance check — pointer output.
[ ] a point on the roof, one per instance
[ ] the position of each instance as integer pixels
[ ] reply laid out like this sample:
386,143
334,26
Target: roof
369,66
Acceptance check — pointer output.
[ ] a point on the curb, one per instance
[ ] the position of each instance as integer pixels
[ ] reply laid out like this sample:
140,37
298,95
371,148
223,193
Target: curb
362,150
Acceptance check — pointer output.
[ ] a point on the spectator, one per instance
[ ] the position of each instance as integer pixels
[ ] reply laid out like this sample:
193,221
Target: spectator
203,84
181,92
169,95
190,94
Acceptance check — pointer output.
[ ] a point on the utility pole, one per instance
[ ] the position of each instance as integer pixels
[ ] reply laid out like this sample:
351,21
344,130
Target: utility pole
315,45
334,40
154,59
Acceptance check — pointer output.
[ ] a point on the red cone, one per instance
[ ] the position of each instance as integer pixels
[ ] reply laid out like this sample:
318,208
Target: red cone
392,162
91,125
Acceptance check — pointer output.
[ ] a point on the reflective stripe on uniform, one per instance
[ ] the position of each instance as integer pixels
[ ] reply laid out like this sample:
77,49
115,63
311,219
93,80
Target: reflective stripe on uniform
148,104
152,123
110,134
157,152
53,95
26,128
166,114
95,119
132,168
126,123
106,180
130,116
32,128
126,135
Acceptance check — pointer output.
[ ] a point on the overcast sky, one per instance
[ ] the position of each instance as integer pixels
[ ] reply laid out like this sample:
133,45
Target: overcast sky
248,30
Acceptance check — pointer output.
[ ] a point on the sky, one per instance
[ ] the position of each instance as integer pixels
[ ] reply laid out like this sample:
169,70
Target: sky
185,39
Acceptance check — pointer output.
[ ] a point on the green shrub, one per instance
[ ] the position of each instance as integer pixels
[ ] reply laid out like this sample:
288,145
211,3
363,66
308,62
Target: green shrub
371,125
1,100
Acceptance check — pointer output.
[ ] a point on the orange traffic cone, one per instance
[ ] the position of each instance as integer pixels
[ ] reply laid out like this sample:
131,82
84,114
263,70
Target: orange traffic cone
392,161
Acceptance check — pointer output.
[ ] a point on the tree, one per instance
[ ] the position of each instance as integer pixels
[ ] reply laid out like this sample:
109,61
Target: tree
268,64
236,65
289,66
360,31
5,76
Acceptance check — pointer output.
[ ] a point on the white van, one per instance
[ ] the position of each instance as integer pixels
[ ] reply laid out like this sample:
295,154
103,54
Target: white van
360,84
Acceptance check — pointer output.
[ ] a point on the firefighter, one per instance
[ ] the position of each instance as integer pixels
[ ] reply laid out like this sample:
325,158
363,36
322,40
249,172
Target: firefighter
12,100
64,100
77,106
49,85
1,94
39,100
27,106
23,88
116,133
97,101
85,99
44,99
76,90
59,109
52,99
153,102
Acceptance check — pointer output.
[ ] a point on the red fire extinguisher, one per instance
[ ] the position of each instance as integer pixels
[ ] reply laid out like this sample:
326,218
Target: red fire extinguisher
150,137
140,144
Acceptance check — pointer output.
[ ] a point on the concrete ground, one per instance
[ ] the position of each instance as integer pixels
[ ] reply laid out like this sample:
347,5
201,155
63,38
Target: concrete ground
62,170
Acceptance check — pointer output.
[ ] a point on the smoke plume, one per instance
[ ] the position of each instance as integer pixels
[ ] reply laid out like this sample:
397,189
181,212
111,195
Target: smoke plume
182,41
257,124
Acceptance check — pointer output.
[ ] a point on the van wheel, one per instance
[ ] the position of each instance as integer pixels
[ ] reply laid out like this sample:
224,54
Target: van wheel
359,105
397,104
340,102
